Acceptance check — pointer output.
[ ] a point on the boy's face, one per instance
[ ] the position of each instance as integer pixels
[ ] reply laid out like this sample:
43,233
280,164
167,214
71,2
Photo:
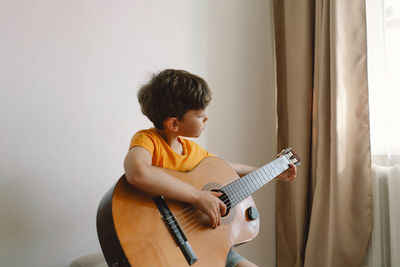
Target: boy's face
193,123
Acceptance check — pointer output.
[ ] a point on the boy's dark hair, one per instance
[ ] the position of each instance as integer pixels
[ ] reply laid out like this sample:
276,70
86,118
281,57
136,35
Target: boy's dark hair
172,93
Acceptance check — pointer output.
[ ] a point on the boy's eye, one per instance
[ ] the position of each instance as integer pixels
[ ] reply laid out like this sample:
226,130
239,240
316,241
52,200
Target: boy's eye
200,114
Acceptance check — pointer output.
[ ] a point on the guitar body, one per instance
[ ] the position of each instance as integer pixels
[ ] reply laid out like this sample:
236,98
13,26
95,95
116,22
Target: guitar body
132,231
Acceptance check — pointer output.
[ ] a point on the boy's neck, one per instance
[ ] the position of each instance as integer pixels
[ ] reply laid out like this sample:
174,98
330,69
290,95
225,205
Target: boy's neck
171,139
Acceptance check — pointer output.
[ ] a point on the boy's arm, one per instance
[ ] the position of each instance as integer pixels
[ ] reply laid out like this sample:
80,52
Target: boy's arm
140,173
242,169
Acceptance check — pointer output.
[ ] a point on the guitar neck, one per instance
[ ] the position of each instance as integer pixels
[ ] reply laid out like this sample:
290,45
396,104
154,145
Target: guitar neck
243,187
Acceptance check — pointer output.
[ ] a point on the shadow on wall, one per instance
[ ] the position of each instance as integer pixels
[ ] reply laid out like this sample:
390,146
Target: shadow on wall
24,224
16,226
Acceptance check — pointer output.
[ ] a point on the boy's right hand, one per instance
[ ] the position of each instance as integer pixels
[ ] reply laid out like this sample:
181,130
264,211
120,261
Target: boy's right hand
209,203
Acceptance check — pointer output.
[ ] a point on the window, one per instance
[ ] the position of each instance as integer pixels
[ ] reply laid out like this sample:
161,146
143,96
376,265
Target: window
383,35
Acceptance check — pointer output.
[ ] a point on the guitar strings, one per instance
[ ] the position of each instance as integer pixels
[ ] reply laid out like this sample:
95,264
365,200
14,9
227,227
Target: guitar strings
183,221
192,226
194,229
195,225
187,221
225,198
189,230
189,224
191,210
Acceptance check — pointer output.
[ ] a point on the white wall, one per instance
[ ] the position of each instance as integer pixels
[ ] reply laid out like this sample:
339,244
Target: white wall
69,75
242,120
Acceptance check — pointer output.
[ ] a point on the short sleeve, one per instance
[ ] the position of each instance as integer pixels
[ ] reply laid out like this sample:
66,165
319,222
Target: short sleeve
144,140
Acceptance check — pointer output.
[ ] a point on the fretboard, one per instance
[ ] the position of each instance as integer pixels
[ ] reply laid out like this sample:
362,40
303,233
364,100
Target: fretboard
243,187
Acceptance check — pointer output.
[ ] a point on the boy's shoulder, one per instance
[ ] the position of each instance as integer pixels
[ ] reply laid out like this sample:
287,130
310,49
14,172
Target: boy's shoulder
150,131
148,138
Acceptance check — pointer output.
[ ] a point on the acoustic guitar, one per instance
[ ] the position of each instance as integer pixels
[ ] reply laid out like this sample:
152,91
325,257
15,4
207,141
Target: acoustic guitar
137,229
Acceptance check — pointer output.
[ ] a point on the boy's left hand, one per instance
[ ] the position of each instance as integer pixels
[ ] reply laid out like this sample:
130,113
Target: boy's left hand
289,174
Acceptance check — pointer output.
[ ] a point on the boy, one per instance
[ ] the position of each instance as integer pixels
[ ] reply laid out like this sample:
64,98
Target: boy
175,101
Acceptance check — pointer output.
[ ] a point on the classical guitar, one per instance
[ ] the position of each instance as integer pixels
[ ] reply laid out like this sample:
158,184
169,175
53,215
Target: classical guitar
136,229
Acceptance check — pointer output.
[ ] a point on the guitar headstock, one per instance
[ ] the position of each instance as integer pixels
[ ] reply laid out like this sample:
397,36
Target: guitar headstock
291,155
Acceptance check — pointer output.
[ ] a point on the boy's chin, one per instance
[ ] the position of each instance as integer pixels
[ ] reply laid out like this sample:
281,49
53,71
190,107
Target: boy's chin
193,135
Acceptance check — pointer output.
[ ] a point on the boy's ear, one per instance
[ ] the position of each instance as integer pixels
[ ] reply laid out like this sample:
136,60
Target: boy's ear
172,124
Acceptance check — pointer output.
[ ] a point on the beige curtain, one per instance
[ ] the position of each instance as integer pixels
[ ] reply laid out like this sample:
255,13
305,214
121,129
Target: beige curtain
324,216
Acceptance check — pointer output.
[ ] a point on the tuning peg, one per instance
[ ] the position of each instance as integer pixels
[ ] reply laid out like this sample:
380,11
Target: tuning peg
284,151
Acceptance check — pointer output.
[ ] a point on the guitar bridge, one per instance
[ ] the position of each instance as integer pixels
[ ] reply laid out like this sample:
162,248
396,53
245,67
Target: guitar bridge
175,229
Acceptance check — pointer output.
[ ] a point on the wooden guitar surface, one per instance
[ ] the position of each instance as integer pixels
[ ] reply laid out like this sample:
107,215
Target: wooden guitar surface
132,231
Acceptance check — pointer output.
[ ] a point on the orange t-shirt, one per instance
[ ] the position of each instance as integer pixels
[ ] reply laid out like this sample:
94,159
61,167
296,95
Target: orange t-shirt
162,154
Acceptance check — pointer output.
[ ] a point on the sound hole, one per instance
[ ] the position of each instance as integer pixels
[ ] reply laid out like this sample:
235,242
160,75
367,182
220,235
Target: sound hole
231,212
224,197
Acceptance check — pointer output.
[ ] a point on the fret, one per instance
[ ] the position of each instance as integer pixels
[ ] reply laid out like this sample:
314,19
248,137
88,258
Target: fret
267,173
260,179
254,180
250,182
240,192
231,194
247,183
275,168
237,187
243,187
